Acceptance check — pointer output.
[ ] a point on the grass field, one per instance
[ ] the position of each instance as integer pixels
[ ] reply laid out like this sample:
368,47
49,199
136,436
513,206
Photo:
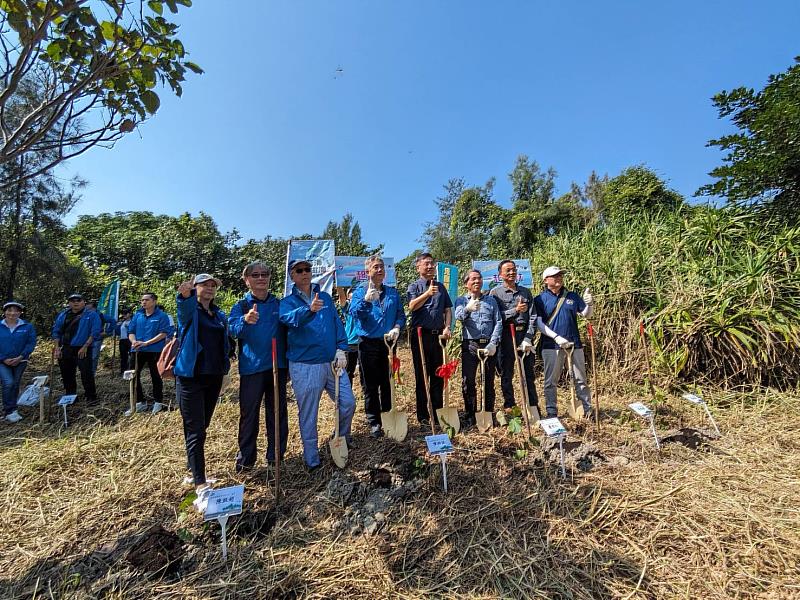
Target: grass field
93,510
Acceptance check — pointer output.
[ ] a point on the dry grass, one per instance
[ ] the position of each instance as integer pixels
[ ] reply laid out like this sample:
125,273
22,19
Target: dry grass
682,523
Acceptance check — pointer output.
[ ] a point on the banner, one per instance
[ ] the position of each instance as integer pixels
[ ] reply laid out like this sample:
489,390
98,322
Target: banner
321,255
350,271
448,275
491,278
108,305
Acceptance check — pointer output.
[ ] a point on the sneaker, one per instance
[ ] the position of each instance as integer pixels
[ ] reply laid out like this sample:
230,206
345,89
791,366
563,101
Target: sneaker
140,407
376,431
188,480
158,407
201,502
13,417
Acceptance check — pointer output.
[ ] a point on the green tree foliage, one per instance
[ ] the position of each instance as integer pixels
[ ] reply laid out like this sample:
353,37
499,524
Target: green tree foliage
762,163
346,236
635,192
97,65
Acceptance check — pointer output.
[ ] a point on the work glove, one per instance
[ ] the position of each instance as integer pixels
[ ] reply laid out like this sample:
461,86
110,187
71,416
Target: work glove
563,343
587,296
373,294
393,334
526,346
473,305
340,362
490,349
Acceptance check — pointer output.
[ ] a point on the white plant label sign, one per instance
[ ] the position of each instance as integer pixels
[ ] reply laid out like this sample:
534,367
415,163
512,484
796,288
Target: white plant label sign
552,427
66,400
693,398
224,502
640,409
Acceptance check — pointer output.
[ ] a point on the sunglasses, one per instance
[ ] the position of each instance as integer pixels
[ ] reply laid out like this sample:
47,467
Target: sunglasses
303,270
259,275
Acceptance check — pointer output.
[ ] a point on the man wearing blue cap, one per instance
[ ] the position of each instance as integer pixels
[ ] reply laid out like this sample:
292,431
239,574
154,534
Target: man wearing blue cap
74,332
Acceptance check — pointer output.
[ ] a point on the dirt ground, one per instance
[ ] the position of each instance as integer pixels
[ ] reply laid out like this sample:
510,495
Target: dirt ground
94,510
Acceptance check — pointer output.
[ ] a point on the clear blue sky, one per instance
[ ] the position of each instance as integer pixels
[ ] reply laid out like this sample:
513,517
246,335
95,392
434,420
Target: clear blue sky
273,141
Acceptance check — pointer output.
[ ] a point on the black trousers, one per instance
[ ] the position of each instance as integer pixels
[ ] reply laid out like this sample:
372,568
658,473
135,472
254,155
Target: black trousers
352,361
470,363
149,360
67,364
373,363
252,390
124,351
197,399
432,352
508,365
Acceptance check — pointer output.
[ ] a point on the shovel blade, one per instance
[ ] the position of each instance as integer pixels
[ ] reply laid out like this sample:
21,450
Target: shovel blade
338,446
395,424
575,409
533,415
484,421
448,417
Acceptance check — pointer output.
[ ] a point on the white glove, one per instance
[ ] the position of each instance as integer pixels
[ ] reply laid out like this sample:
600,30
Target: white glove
490,349
373,294
473,305
563,343
526,346
587,296
393,334
340,362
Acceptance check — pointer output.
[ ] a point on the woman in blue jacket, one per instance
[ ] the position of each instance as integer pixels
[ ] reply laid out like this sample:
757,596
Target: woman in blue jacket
17,341
200,366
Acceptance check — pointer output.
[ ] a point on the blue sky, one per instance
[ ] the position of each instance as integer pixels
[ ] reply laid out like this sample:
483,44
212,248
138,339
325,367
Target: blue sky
273,140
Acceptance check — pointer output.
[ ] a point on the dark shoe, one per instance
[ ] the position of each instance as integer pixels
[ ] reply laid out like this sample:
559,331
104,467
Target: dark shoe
314,470
244,468
376,431
469,423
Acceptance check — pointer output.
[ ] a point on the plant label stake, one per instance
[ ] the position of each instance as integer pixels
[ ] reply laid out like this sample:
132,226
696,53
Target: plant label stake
224,503
440,445
695,399
554,429
64,402
644,412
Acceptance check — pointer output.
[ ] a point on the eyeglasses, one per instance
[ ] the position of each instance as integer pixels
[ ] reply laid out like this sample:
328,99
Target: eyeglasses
303,270
259,275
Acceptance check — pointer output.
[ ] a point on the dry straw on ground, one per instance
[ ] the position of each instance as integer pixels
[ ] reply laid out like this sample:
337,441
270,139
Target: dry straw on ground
720,521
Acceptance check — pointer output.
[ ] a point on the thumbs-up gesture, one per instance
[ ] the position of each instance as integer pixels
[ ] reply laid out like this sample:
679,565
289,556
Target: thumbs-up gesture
372,295
522,306
316,303
432,289
251,317
587,296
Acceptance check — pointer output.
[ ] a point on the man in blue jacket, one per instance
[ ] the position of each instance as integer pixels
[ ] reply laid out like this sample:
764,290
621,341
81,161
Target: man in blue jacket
378,312
74,331
17,341
147,333
316,346
255,322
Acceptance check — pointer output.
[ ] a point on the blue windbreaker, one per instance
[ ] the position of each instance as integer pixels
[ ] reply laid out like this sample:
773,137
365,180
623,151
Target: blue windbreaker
89,325
20,342
312,338
187,330
255,341
374,319
146,328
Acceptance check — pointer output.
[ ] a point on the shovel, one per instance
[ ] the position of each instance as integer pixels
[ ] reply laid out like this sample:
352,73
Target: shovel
575,407
526,409
394,421
425,378
448,415
338,445
483,419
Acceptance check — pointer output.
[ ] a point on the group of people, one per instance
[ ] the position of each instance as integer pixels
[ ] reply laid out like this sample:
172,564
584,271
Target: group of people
303,337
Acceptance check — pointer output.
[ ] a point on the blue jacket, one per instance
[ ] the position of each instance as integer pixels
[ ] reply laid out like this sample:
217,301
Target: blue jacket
374,319
255,341
313,338
146,328
187,328
19,343
89,325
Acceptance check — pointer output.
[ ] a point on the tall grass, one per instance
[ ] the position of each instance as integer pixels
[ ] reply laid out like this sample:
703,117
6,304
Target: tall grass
718,290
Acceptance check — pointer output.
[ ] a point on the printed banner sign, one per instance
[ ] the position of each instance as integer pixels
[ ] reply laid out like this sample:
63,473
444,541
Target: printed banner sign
350,271
321,254
438,444
448,275
491,278
108,305
224,502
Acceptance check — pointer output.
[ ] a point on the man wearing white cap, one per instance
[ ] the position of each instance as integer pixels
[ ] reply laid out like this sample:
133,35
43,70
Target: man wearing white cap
559,310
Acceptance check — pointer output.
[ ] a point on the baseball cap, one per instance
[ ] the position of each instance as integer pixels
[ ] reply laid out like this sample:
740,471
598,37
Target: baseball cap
75,296
298,261
550,271
13,303
203,277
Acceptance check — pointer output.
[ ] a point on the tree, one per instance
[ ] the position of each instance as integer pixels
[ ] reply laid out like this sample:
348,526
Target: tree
346,236
763,158
96,65
637,190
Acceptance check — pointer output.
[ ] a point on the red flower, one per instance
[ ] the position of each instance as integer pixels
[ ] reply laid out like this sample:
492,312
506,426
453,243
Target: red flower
447,370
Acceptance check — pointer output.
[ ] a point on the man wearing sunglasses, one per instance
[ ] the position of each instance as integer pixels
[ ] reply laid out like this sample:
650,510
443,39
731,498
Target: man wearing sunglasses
254,322
317,353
